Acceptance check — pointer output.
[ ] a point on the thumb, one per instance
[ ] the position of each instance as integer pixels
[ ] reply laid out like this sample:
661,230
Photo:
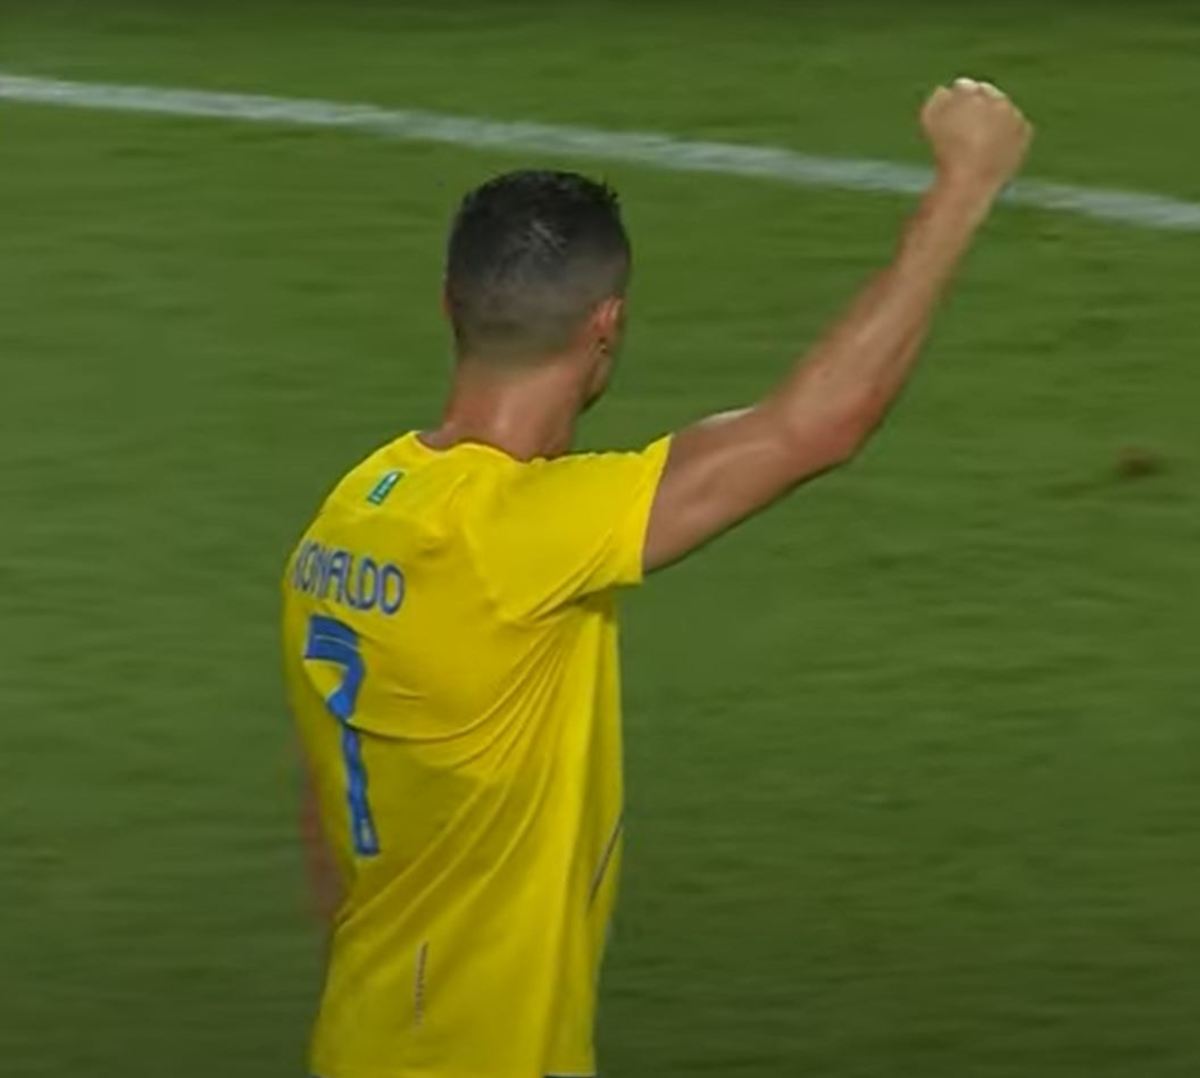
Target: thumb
936,103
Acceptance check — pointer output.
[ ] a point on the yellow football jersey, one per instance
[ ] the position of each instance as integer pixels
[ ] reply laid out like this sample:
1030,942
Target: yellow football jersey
450,644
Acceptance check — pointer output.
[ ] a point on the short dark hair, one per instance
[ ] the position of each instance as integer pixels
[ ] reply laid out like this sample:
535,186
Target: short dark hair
530,255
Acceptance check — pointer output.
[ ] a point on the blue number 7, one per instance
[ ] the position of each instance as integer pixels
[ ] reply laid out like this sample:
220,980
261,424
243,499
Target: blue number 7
330,640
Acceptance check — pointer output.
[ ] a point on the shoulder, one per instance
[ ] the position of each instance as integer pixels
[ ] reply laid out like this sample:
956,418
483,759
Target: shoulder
584,472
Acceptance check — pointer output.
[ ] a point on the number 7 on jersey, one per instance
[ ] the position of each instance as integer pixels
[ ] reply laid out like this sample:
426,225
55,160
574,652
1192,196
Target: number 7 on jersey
333,641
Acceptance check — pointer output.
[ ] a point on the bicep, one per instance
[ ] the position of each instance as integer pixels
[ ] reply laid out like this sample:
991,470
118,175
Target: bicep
723,470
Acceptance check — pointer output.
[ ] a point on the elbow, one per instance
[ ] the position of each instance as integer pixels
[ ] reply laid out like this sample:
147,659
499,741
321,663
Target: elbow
846,437
832,441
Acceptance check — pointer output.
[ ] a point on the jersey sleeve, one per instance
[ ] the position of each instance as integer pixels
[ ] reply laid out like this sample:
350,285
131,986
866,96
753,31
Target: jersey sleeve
561,530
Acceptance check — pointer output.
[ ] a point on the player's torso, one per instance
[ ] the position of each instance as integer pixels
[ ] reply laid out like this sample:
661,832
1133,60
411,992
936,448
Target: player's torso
468,769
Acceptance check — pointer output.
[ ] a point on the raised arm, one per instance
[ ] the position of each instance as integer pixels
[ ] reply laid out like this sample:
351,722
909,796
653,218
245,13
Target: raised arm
728,467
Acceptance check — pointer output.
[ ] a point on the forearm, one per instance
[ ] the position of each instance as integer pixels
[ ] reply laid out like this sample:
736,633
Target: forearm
842,388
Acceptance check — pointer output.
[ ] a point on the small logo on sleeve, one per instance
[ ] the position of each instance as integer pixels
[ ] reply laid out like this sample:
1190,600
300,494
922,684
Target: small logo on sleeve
384,487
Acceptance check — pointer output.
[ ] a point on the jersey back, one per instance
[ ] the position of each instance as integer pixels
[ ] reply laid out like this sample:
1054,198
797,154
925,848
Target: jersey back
450,641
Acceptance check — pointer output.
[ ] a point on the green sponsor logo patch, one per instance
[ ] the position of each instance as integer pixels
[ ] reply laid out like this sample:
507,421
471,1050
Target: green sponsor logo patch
384,487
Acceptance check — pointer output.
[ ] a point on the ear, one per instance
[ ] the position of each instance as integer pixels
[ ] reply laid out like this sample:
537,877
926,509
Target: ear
608,320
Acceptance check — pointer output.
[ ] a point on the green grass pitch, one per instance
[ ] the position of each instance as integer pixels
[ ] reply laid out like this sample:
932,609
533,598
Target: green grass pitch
914,760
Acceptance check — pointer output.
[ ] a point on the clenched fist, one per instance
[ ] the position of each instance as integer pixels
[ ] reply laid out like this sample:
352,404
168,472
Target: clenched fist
979,137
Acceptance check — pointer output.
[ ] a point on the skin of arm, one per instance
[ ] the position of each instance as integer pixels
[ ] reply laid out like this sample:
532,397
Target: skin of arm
730,466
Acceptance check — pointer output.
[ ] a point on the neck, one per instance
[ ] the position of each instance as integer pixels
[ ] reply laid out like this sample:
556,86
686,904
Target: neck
526,412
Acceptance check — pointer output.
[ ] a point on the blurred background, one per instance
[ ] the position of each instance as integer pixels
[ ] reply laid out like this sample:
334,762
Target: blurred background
914,760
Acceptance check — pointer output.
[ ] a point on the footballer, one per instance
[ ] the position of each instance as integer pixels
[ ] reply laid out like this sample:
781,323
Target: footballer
450,615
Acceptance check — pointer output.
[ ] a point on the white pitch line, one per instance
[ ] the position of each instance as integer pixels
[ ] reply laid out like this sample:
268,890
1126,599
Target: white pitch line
655,150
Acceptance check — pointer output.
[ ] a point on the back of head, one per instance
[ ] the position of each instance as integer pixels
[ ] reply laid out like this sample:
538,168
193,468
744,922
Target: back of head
531,255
